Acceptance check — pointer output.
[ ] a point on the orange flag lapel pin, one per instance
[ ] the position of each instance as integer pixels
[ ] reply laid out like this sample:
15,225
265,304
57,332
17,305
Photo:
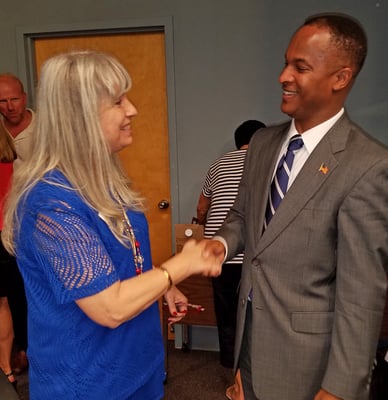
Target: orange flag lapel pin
323,168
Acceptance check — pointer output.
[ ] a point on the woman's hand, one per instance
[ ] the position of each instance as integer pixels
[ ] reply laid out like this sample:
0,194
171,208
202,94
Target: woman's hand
177,304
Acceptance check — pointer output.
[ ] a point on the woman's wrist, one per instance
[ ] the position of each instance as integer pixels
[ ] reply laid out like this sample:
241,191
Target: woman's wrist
167,275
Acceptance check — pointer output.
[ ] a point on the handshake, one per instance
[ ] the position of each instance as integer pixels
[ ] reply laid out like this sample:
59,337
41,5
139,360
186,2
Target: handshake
204,257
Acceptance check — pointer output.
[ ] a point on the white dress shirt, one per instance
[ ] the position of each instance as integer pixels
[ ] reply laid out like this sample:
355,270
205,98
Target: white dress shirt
310,138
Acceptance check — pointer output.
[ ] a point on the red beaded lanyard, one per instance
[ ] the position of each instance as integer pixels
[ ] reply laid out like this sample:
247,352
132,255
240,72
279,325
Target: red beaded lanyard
137,257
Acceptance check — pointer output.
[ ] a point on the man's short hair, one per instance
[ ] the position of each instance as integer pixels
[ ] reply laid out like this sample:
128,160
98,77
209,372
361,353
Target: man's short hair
348,36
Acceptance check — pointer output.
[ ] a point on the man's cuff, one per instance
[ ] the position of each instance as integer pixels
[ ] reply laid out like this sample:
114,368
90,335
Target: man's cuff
223,241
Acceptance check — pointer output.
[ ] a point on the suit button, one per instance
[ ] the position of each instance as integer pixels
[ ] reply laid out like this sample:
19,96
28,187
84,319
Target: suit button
256,262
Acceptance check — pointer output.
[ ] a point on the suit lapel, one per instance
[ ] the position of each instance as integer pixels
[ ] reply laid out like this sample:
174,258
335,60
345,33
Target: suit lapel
265,162
319,166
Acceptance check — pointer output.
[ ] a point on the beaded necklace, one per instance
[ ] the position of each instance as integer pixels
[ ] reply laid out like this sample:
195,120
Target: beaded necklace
138,259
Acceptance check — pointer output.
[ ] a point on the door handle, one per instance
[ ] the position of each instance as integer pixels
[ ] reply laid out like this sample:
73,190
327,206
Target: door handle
163,204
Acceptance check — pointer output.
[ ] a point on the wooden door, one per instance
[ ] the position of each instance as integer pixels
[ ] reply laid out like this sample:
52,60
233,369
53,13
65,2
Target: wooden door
147,159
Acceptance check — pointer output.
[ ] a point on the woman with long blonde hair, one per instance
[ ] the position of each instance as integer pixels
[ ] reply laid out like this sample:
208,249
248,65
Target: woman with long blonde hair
94,327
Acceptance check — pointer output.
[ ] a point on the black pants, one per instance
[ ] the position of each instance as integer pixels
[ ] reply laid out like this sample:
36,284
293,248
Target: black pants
379,384
12,287
225,292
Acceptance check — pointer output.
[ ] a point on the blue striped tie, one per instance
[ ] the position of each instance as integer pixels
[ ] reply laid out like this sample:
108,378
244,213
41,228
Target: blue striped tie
280,180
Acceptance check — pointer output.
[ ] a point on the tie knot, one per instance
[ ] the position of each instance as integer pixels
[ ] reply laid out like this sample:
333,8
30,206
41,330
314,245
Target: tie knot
295,143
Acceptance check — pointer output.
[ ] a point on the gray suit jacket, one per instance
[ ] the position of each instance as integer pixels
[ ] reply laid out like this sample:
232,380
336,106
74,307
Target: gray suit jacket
318,272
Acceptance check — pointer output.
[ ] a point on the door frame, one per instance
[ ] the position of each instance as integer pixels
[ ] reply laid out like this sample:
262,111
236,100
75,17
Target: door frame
26,35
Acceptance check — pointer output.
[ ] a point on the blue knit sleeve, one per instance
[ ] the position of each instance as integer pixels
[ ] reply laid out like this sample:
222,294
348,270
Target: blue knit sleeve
70,251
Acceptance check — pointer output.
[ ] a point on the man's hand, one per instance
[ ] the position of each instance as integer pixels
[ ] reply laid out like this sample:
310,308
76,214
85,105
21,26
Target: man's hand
214,248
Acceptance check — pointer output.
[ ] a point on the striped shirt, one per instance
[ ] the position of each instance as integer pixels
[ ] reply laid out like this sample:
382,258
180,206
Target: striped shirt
221,186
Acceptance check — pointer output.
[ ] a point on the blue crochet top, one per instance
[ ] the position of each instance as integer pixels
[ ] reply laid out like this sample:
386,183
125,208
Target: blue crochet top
65,252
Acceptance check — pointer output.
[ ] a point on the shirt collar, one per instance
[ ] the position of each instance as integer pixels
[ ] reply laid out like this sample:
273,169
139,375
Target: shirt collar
313,136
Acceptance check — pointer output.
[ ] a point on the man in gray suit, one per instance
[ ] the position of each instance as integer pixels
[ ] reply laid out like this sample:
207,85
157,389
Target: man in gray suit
314,277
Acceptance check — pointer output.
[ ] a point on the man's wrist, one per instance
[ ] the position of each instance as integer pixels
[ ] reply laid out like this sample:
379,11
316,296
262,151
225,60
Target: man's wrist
223,241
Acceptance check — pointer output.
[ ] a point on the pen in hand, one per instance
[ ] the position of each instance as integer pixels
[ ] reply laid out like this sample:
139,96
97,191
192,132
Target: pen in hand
194,307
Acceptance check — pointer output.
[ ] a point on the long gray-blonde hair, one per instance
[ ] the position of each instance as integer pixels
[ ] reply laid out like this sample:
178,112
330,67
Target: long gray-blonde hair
68,137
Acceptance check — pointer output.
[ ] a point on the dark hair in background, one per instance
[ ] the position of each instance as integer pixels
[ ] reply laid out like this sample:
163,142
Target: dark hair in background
245,131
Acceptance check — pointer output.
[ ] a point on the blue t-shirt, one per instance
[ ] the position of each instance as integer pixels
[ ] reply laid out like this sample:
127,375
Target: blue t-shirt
65,252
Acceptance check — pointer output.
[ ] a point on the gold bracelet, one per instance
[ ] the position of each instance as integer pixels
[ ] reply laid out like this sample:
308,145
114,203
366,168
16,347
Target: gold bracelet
167,275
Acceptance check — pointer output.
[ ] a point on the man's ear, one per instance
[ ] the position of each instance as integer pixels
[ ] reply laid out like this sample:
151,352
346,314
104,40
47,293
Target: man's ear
343,78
